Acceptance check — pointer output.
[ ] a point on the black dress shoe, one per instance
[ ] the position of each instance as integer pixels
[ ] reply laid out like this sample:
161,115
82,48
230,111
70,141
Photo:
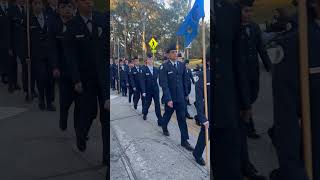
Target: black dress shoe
63,125
81,144
144,117
34,94
51,107
187,146
135,107
200,160
166,132
189,117
251,173
253,135
42,106
275,175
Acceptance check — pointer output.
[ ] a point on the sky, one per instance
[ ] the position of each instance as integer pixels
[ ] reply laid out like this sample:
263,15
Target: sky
206,9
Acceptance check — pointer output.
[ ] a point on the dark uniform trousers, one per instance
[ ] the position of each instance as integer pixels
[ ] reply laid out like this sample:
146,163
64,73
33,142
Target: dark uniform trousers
44,80
148,100
173,83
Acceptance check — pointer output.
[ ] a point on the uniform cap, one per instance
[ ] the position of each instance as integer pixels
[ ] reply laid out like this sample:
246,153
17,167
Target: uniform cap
171,48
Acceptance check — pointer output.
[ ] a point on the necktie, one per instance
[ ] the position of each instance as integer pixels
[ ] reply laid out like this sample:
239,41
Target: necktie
89,25
175,65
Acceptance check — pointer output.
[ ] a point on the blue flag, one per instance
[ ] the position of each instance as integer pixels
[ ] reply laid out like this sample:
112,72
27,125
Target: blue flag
189,28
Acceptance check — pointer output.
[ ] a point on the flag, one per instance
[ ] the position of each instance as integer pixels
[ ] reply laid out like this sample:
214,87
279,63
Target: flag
189,28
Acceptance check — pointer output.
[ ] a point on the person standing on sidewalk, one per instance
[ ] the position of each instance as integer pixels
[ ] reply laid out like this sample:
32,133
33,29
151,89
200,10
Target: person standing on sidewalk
86,53
173,81
129,85
150,89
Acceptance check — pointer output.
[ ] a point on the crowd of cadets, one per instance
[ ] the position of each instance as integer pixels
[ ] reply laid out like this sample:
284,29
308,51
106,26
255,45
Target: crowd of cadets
68,45
174,76
237,45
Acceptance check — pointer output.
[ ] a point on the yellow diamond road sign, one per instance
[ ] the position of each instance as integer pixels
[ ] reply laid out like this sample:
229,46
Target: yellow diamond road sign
153,43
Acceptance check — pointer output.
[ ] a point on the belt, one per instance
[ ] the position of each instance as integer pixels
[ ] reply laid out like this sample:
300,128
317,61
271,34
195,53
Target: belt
314,70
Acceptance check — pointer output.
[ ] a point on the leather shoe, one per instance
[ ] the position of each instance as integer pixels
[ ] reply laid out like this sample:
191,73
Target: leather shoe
42,106
275,175
144,117
200,160
188,116
81,144
187,146
253,135
135,107
51,107
166,133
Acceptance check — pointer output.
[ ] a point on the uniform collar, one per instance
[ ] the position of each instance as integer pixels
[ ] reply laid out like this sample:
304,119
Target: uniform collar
176,62
85,19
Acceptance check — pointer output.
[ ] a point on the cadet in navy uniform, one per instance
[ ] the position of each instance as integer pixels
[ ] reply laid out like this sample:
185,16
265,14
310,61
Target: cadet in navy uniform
57,30
200,106
17,15
123,78
5,44
86,53
115,73
135,82
287,102
129,85
150,89
252,46
173,81
189,81
230,93
40,54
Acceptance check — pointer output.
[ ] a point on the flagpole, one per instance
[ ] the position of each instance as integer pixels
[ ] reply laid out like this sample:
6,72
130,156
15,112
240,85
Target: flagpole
304,86
205,90
28,59
118,82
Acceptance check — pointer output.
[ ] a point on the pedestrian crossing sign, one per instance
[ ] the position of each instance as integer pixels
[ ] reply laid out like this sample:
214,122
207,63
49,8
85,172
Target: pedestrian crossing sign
153,43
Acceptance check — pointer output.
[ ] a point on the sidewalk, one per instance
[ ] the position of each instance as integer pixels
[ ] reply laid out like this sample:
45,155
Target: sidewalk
140,151
34,148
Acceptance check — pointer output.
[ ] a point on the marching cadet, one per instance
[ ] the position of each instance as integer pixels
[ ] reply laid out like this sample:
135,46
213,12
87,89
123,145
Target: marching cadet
252,46
189,81
136,73
57,30
129,85
5,44
200,106
230,94
39,25
115,74
173,79
123,78
150,89
165,59
112,82
86,54
17,14
287,101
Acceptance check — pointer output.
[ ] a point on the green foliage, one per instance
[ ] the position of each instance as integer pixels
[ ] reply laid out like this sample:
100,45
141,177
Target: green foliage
161,21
